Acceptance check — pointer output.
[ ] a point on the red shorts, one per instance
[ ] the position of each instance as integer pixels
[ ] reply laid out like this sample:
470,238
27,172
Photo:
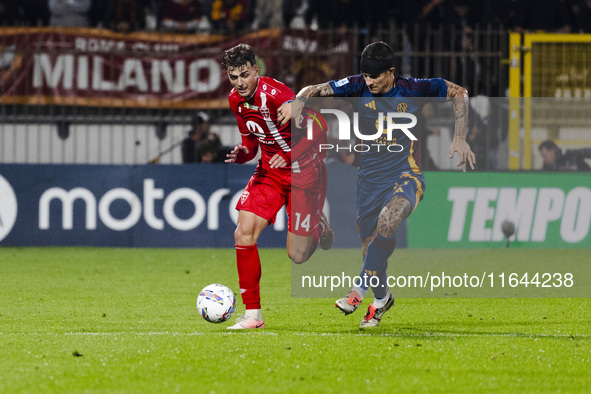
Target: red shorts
269,190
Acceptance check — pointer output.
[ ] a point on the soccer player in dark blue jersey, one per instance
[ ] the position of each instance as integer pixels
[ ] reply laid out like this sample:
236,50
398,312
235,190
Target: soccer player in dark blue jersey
390,186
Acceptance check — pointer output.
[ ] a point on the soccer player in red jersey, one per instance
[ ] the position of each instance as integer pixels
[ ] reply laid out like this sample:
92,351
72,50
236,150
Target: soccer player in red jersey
290,172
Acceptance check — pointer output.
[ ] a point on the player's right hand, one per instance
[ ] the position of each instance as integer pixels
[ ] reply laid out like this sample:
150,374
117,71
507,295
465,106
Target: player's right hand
284,114
296,112
232,156
278,161
460,146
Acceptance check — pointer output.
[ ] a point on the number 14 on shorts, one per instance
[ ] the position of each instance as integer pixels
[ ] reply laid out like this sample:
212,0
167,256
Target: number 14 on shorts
305,224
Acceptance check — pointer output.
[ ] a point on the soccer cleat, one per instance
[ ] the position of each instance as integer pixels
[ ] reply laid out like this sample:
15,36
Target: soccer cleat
327,237
349,303
244,322
374,314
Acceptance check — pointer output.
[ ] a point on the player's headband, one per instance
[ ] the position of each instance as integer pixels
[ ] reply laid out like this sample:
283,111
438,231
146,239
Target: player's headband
375,67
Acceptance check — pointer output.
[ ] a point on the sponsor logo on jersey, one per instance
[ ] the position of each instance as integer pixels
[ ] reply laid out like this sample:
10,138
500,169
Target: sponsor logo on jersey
371,104
250,106
402,107
341,82
255,129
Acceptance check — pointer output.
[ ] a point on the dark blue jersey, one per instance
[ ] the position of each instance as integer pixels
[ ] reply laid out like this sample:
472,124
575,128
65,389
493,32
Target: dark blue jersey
386,159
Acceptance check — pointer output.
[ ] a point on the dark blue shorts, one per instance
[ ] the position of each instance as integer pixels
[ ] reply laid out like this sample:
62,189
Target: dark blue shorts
371,198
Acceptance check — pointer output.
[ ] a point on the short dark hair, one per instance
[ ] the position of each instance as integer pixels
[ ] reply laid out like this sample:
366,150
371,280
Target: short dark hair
239,56
378,50
548,144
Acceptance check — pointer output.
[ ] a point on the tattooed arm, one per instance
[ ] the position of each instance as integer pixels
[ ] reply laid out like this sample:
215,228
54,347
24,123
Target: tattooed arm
293,110
459,95
320,90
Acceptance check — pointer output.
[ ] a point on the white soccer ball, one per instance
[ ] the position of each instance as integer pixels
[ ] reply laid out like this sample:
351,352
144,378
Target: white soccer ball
216,303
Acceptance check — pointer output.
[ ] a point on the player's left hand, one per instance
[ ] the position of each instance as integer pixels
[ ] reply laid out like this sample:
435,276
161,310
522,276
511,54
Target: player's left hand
232,156
278,161
460,146
284,114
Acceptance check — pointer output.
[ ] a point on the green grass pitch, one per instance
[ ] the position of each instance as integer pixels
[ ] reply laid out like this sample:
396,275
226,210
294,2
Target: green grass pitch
124,320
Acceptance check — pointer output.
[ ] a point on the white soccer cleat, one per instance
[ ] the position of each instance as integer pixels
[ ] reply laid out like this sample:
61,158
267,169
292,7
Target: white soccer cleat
246,323
374,314
350,303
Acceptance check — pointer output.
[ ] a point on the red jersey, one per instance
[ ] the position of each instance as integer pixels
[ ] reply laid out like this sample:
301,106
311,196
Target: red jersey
304,177
257,119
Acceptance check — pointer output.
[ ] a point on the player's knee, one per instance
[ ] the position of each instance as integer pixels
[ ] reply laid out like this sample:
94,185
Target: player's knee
298,256
242,237
390,230
392,215
388,223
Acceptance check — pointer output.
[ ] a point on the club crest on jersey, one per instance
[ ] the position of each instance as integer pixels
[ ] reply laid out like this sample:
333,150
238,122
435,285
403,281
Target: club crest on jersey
244,196
266,113
264,109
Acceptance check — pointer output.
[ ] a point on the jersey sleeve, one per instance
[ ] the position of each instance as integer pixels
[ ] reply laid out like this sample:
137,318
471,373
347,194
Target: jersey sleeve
427,87
351,86
248,140
277,93
241,124
285,96
252,144
438,87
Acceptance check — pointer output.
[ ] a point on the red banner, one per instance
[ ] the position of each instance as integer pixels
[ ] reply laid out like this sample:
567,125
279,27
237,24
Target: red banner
95,67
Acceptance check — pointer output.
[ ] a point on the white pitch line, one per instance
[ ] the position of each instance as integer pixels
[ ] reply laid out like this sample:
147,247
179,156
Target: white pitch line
445,334
321,334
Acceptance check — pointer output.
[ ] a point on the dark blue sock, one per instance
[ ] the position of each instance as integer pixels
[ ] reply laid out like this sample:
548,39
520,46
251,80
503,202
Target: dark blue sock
376,263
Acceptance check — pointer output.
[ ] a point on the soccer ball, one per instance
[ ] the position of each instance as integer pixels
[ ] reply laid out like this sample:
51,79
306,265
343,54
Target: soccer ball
216,303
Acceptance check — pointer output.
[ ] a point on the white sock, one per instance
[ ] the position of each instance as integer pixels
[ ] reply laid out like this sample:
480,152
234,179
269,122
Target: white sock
362,292
381,302
254,313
